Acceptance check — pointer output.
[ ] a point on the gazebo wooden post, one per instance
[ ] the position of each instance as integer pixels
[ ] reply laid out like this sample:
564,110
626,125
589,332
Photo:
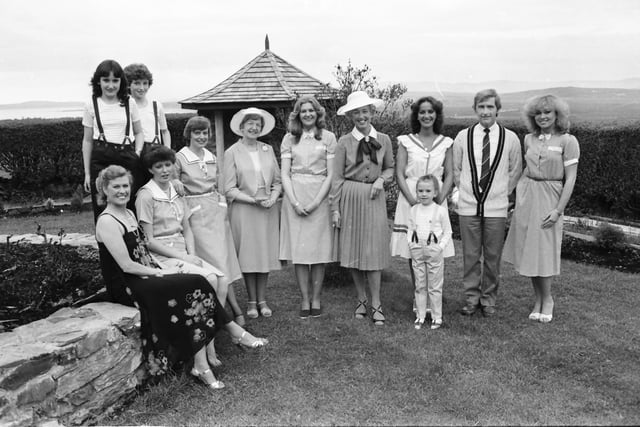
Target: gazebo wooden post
219,126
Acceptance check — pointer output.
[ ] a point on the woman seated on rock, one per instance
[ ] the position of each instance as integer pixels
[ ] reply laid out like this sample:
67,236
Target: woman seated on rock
180,313
164,217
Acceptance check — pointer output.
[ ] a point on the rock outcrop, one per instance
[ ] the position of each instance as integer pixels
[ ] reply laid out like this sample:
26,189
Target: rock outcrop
73,367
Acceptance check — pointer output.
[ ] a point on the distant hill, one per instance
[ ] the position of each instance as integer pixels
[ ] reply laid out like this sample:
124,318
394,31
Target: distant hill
41,104
506,86
587,104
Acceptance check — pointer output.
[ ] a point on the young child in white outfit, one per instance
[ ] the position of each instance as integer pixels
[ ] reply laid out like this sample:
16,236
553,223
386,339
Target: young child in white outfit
428,235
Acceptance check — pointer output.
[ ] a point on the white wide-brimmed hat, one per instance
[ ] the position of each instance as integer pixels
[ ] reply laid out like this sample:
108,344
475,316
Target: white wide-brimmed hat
269,120
359,99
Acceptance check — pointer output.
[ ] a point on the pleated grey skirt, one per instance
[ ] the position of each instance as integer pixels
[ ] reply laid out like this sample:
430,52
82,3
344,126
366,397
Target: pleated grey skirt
362,242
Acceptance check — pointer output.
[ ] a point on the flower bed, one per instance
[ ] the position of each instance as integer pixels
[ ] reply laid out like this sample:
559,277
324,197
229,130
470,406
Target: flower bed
36,280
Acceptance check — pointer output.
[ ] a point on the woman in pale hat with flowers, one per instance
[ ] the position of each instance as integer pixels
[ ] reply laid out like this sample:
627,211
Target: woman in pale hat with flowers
252,186
363,163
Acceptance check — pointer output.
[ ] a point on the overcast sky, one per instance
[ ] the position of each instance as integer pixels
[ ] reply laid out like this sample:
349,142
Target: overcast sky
49,49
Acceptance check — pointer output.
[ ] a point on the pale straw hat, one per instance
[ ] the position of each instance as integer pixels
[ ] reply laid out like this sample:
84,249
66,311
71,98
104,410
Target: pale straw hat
359,99
269,120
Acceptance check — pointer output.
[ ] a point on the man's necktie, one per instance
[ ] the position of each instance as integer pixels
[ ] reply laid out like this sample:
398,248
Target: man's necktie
486,163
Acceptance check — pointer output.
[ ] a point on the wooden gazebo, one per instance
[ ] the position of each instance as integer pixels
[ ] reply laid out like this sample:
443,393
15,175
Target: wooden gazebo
267,82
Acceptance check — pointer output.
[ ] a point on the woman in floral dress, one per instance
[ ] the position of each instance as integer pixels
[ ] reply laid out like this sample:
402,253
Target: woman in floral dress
179,313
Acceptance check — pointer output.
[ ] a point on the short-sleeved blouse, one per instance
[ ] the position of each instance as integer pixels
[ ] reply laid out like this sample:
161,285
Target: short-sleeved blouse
309,156
421,161
148,120
199,176
164,212
546,158
113,118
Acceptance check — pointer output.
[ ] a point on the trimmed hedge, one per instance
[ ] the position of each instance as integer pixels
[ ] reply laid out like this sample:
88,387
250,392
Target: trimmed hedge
45,155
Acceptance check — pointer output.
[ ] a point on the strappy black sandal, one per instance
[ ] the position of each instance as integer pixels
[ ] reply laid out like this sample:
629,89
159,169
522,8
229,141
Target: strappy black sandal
361,314
377,311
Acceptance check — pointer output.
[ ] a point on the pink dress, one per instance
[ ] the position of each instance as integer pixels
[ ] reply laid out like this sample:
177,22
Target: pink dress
307,239
208,218
534,251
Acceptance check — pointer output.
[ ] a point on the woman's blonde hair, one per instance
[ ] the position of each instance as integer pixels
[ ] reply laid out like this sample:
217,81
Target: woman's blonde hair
107,175
295,124
536,104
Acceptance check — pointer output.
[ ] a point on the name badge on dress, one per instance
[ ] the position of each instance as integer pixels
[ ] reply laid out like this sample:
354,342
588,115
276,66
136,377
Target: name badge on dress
555,148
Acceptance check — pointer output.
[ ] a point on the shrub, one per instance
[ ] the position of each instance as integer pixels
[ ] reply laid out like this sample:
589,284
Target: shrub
36,280
609,236
45,156
620,257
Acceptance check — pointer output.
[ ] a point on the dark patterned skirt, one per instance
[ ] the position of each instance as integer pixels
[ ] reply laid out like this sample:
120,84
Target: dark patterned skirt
179,313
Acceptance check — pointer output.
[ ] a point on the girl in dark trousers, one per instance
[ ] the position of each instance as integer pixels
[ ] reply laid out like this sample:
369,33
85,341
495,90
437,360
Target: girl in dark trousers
108,119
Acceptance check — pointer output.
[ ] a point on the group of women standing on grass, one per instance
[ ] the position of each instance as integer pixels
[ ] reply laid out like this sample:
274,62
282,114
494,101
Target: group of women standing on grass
177,260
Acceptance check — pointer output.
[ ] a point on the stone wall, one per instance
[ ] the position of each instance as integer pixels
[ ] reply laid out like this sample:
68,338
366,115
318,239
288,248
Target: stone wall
73,367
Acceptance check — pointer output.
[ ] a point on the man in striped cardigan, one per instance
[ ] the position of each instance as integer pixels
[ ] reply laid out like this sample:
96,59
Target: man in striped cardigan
487,163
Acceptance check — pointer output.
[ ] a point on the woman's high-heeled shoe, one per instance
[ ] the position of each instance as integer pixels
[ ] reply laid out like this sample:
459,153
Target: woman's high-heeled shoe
202,376
379,321
257,342
361,310
535,316
252,311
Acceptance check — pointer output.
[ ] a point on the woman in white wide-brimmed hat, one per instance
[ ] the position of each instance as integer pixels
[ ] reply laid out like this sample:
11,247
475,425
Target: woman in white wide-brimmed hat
363,163
252,185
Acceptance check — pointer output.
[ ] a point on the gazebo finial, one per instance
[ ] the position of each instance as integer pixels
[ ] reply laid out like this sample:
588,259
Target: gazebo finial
266,42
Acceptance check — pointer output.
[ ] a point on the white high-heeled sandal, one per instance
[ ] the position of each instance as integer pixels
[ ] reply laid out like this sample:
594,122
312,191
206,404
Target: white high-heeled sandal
257,343
214,385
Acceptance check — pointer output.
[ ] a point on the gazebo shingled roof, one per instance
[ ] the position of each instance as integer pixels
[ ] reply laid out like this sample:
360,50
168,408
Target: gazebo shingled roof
266,80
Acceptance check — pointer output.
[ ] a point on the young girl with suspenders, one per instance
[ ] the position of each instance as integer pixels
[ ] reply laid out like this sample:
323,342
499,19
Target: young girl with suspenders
110,115
152,117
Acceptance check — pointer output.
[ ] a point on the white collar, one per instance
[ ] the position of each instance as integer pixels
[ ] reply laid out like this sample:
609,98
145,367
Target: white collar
308,134
159,194
358,135
492,129
544,136
193,157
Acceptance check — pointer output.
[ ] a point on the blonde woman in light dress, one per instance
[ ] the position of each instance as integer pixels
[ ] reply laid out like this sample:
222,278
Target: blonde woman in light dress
252,185
197,170
425,151
535,235
307,154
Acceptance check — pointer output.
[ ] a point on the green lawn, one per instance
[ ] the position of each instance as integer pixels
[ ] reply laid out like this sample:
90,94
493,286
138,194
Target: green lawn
69,221
583,368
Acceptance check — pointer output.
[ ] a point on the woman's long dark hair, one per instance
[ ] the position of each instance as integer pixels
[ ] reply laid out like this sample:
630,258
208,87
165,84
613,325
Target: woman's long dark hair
437,107
105,68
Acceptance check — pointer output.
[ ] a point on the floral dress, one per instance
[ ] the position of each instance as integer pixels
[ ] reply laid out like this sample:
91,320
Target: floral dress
179,313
